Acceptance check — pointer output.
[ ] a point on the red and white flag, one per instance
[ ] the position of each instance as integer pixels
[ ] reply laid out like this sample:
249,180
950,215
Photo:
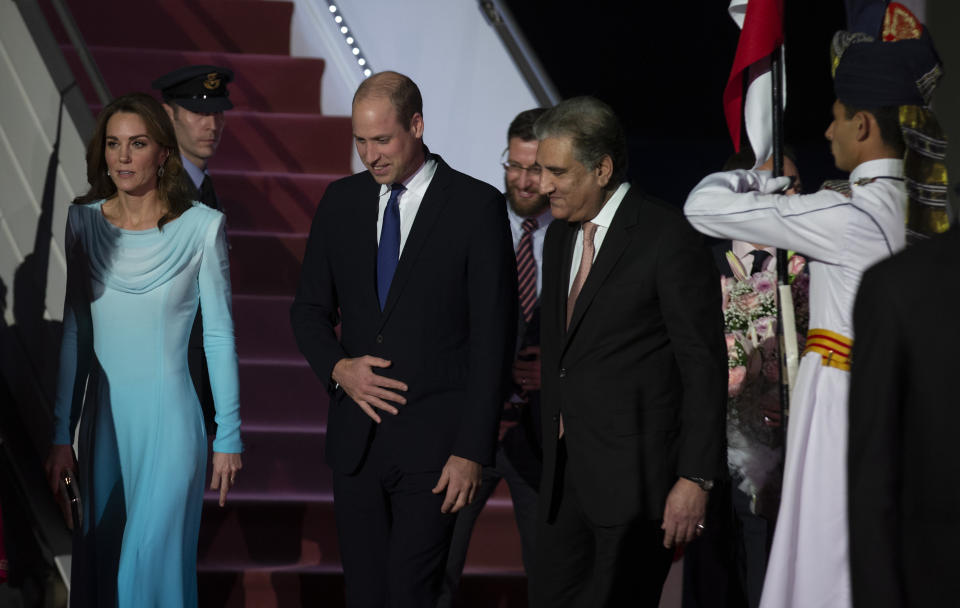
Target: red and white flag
761,25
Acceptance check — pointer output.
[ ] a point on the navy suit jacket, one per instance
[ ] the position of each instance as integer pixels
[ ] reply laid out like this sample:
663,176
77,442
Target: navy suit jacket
448,325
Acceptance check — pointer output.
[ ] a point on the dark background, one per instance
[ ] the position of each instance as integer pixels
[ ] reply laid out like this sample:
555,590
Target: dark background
663,67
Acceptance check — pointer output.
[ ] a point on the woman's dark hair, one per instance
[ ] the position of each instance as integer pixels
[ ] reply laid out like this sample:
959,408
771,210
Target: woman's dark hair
171,187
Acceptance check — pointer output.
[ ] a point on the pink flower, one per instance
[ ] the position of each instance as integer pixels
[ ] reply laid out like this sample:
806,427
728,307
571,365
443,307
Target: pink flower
795,264
763,282
750,301
735,380
725,286
731,342
766,327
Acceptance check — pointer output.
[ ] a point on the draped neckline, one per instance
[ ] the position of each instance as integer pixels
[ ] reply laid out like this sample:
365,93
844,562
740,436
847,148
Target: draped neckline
138,261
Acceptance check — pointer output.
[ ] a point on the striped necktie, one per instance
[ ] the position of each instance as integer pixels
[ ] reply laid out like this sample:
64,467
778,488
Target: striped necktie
527,269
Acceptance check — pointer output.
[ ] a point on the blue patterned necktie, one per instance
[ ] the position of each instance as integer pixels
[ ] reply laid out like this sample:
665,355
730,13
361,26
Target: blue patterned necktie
388,253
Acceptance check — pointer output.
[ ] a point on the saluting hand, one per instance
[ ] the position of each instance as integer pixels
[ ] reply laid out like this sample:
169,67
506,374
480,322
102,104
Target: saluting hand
355,376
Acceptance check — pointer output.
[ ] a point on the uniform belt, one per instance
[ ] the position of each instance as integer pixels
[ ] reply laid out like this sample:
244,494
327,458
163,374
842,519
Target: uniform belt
833,348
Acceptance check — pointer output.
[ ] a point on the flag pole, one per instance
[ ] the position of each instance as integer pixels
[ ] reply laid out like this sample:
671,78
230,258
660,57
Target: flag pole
785,301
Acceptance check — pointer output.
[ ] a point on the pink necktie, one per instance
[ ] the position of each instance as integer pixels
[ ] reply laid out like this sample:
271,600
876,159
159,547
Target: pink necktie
586,263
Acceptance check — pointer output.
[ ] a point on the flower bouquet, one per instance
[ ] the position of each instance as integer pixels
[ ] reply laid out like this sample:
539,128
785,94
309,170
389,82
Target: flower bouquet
754,442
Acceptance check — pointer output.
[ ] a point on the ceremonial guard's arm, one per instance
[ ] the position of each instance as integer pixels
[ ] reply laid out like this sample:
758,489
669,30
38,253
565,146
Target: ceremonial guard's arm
315,310
492,301
76,348
690,302
874,453
744,206
219,344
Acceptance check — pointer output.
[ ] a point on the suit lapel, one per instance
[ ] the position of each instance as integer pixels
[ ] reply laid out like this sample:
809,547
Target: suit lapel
368,211
433,203
563,282
614,243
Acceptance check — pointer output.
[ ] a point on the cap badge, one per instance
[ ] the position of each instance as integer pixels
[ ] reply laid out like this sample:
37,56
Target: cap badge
212,82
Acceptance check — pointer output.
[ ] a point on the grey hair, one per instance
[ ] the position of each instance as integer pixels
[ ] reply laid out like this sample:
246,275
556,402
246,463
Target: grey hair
594,129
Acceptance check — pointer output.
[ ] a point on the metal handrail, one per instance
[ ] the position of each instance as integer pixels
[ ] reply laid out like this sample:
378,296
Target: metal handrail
83,52
60,71
501,19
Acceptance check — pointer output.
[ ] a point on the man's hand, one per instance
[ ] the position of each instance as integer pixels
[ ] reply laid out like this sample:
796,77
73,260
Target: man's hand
60,462
461,478
685,508
367,389
526,368
225,469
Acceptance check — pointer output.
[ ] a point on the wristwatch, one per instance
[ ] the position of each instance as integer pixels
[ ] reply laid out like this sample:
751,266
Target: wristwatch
705,484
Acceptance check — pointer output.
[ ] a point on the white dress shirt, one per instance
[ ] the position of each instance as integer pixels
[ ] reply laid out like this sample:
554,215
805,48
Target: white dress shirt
516,229
602,220
744,252
409,200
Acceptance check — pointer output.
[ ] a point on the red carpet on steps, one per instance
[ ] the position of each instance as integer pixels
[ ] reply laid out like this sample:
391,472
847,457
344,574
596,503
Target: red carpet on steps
275,543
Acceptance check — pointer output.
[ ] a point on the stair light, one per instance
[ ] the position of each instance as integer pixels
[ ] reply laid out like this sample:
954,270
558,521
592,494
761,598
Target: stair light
350,40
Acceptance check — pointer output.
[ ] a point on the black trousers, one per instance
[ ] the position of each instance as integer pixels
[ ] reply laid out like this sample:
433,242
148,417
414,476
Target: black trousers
393,537
579,563
725,567
524,500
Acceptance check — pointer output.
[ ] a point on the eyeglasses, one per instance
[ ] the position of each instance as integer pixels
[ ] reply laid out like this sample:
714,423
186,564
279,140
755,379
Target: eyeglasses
517,169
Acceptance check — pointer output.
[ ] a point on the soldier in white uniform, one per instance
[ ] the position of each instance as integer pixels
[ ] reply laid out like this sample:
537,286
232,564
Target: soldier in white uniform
841,231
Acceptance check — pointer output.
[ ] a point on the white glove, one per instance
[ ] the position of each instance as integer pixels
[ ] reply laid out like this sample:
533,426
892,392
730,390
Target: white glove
767,184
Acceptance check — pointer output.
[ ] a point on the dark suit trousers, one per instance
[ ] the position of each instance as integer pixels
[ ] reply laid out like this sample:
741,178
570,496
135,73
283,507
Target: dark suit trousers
580,564
524,499
393,537
725,566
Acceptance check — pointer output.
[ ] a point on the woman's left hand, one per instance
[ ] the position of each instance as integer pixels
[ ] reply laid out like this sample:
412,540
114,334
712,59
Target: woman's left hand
225,468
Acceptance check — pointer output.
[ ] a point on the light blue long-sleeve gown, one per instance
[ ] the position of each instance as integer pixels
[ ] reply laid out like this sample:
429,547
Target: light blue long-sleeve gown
131,300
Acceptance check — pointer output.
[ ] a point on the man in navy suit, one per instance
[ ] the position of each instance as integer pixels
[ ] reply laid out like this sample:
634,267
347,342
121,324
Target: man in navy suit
415,262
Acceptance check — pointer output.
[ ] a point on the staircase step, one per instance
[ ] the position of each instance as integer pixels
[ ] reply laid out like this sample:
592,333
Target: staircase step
282,143
297,536
231,26
278,588
300,535
262,327
261,82
265,263
272,202
280,467
281,395
285,143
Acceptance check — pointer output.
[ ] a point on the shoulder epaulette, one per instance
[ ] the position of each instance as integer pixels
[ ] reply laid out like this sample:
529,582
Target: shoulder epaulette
838,185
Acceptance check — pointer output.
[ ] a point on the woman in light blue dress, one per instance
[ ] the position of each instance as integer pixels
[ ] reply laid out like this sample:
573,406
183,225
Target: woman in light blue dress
141,256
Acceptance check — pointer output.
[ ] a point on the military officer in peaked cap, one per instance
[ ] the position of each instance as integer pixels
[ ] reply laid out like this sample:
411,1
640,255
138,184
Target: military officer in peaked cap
195,98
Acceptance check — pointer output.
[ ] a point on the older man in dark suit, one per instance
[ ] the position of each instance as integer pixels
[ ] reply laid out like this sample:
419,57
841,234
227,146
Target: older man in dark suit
903,461
415,262
634,372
